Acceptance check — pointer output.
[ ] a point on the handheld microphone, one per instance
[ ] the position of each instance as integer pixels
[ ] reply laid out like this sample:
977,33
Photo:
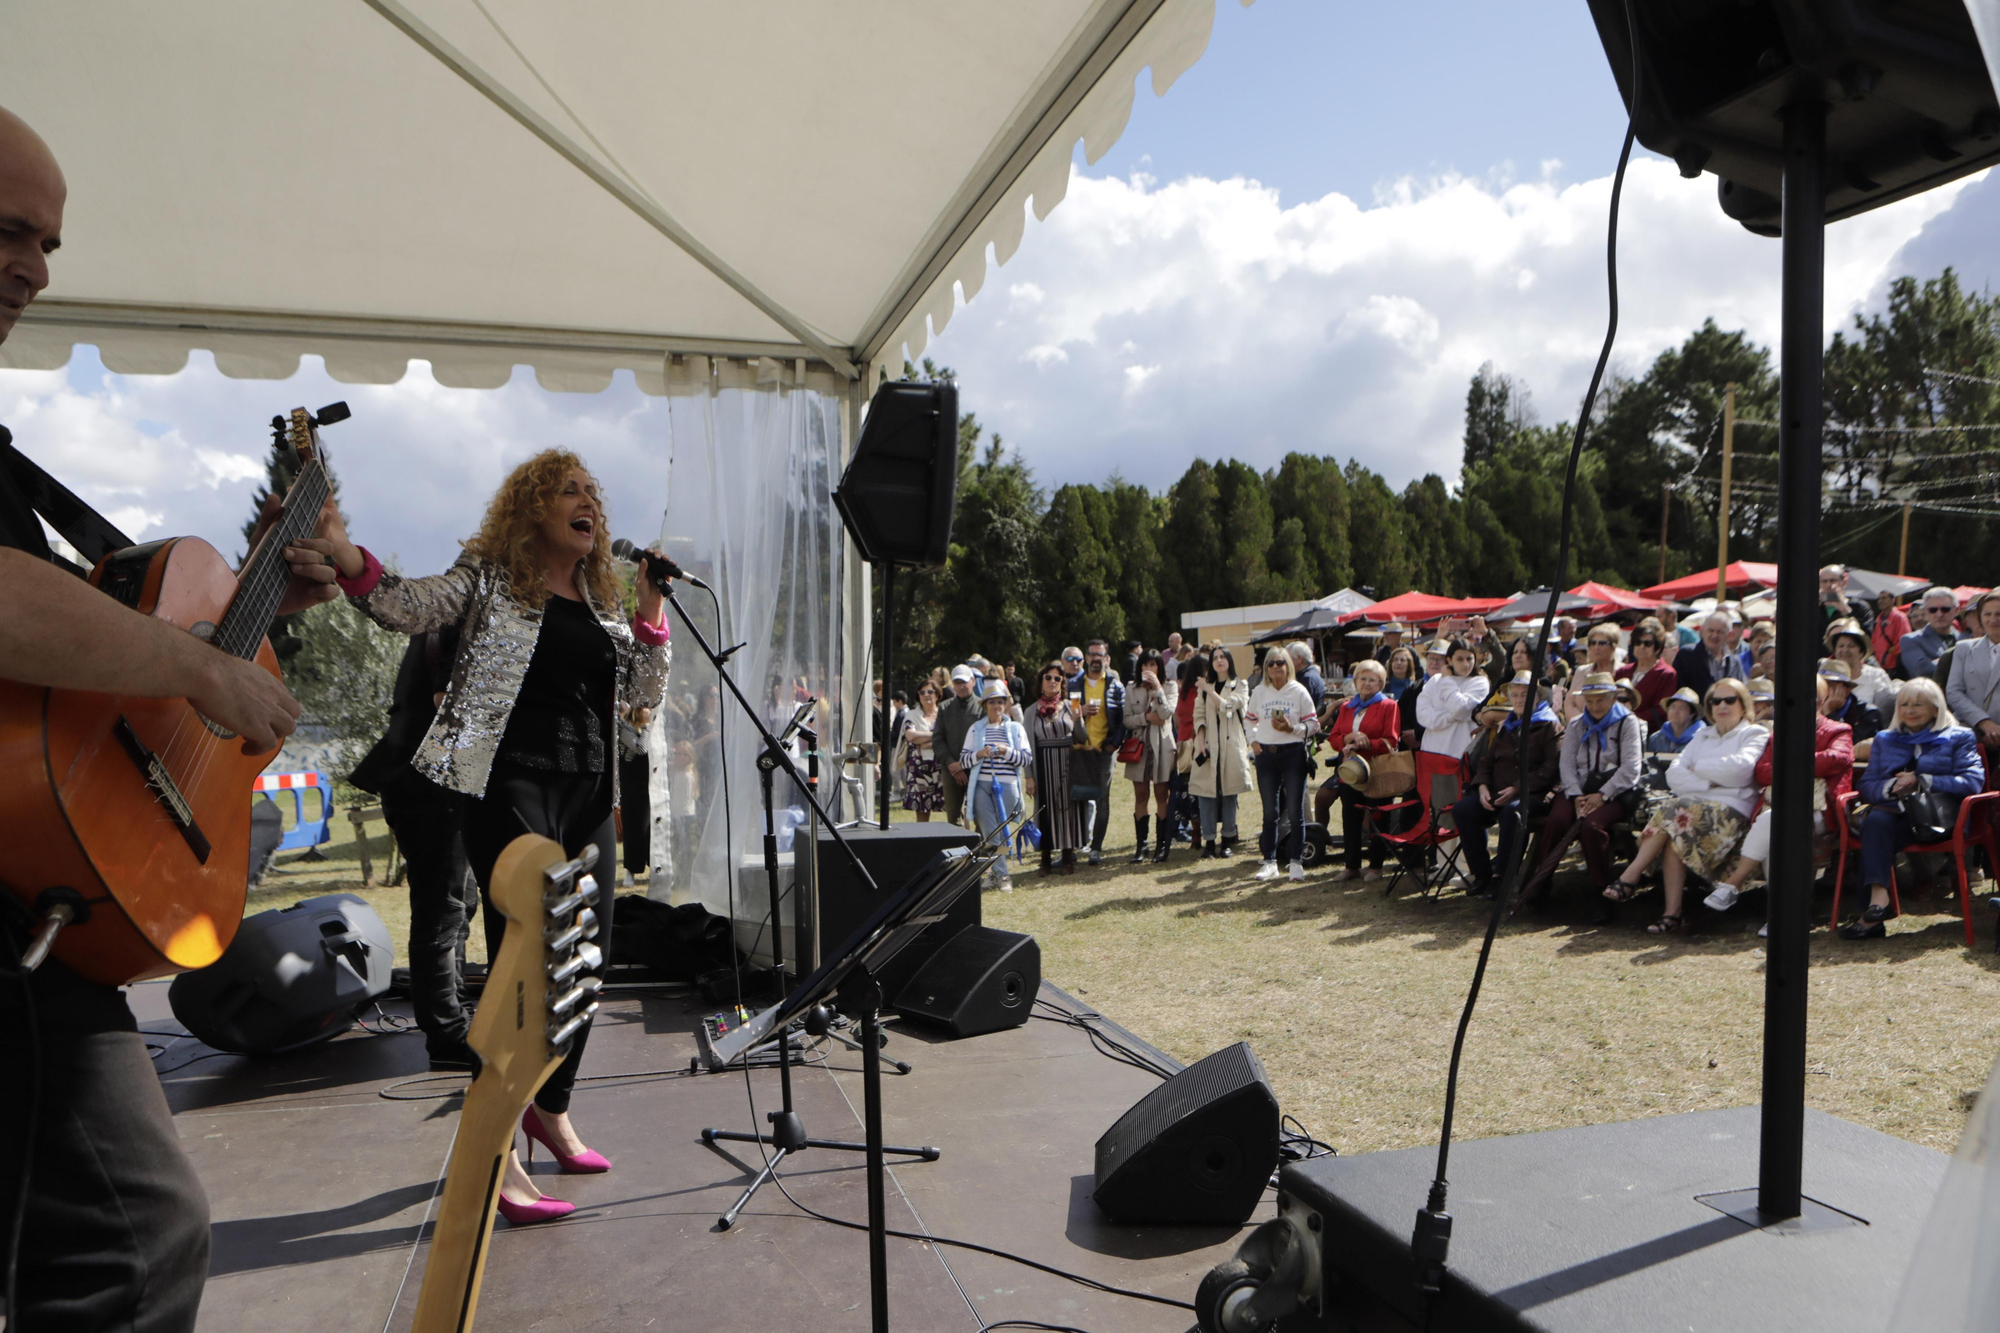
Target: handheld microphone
662,569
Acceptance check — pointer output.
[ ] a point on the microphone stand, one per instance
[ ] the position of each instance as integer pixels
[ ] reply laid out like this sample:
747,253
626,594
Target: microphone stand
788,1130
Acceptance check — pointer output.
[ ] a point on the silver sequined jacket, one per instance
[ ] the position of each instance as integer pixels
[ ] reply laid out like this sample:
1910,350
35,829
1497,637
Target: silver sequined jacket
496,641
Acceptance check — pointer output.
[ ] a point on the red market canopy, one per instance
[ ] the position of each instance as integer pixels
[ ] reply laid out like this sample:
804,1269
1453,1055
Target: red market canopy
1741,574
1421,608
1608,601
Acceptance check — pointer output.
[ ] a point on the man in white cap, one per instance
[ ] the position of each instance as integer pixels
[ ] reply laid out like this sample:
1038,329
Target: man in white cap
955,717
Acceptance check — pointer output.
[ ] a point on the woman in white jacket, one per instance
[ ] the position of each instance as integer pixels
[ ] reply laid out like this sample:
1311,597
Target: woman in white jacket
1446,707
1701,826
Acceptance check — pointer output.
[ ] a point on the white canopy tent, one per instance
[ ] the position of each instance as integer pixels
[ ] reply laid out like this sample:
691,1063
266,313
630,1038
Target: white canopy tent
758,210
482,183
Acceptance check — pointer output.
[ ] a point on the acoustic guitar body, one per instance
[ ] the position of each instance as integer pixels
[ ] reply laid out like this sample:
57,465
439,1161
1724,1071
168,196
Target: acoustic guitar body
140,805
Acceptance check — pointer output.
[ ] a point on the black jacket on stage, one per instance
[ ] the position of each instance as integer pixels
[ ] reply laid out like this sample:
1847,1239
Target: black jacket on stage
424,674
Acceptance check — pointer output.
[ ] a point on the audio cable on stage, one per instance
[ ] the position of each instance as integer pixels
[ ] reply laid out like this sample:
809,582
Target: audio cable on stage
1430,1242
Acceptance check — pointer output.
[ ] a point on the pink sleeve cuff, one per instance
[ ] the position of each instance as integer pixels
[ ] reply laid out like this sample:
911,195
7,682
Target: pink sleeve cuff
363,583
653,636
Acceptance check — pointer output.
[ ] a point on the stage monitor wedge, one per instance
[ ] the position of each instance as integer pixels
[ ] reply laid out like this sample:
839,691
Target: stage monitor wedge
901,485
1911,105
1197,1149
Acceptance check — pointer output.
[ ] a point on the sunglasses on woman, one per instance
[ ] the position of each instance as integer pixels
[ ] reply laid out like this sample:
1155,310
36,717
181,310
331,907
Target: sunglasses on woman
1719,700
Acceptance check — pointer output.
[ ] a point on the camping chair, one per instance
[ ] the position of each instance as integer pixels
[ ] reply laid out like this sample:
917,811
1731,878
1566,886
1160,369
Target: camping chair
1971,829
1416,848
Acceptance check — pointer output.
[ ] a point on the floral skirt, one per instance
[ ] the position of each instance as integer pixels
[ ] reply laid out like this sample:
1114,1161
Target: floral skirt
923,789
1705,834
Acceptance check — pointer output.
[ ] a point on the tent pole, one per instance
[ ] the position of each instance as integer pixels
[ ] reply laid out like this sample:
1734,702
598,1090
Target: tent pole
1666,497
1728,465
1903,557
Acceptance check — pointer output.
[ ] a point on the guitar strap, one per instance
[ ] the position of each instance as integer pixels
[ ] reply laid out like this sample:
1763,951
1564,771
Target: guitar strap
26,490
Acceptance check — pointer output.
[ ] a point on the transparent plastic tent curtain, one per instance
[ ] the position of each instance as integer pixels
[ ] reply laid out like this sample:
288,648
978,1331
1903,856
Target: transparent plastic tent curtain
755,450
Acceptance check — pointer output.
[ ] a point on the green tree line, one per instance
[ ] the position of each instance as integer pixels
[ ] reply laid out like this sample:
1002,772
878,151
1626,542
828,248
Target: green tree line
1911,395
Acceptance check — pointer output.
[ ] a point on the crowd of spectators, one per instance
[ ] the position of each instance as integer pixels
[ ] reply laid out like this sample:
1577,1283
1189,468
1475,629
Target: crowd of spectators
1659,730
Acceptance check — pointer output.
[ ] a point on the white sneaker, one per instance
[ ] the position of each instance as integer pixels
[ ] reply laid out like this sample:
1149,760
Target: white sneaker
1297,873
1268,870
1722,899
1096,857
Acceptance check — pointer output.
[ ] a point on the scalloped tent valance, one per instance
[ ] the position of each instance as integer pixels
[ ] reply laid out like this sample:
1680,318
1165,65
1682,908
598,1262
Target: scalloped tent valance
799,188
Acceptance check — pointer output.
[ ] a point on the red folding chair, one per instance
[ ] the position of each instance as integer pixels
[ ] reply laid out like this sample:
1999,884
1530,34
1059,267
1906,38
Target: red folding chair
1971,829
1437,791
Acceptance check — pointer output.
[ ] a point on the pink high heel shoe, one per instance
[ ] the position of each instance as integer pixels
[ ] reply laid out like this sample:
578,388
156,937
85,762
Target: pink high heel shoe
585,1163
541,1210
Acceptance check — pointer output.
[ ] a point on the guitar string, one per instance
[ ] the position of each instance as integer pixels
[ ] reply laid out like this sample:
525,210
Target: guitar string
266,577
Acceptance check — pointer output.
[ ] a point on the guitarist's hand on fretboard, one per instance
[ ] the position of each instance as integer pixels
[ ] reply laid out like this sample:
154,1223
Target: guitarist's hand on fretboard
312,576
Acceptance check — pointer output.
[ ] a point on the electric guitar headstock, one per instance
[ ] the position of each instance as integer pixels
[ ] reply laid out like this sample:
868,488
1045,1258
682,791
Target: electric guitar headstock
540,991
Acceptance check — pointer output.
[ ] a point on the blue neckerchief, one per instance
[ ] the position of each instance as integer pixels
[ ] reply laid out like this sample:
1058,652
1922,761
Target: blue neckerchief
1362,703
1679,739
1595,731
1542,713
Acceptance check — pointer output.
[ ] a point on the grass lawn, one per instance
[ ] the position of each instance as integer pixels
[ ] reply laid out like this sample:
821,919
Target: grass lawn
1350,999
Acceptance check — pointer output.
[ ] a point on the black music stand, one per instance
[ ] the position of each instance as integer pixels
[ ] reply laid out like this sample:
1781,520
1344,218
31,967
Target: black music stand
850,976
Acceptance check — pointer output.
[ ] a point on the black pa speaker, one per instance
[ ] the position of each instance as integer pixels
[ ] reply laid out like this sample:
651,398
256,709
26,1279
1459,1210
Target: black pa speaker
893,856
1197,1149
1910,104
897,494
290,978
982,980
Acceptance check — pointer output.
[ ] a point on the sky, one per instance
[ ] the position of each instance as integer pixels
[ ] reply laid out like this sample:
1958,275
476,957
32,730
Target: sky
1310,243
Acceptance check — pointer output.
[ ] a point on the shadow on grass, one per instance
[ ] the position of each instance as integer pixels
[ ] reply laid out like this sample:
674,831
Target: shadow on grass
1360,914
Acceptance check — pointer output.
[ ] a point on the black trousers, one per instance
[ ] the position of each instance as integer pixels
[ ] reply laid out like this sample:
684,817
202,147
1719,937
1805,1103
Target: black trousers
116,1231
428,821
571,809
1092,769
635,799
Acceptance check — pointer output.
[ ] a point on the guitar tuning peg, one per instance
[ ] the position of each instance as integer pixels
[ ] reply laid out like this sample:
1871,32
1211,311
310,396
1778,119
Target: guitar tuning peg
330,414
587,889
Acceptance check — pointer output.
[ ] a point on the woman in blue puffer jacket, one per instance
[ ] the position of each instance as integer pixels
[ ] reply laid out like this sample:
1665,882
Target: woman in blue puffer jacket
1925,749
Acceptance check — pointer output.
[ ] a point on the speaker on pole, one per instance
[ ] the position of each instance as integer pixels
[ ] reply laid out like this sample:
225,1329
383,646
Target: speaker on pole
1197,1149
982,980
897,494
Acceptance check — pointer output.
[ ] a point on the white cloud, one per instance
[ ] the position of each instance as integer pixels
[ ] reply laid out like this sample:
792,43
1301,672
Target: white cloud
1333,327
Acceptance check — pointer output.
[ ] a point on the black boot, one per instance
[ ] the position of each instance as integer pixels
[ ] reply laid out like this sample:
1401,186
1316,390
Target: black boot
1225,849
1208,850
1165,843
1142,823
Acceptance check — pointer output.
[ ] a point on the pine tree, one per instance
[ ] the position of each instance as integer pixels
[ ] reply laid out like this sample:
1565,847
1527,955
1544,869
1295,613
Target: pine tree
1076,571
1193,578
1314,557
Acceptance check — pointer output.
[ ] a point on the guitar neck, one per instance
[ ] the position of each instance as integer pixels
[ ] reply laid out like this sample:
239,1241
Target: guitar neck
265,575
452,1273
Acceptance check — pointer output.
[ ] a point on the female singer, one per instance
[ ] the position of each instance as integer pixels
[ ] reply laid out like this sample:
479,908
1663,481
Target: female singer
526,729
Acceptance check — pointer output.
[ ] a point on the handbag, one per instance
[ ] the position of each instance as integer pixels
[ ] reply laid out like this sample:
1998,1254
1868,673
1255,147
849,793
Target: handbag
1133,750
1931,814
1391,774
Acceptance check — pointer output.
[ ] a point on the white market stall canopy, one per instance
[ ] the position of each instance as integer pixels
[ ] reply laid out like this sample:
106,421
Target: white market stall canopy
577,187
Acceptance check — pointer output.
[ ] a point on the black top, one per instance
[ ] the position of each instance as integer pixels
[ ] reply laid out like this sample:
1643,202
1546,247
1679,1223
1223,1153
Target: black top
562,717
18,526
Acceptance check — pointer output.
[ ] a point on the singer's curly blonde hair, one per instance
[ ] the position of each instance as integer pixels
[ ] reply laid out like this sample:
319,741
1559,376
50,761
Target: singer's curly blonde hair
508,534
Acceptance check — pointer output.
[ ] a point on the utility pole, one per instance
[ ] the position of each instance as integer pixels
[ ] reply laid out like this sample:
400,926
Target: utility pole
1666,496
1903,559
1728,466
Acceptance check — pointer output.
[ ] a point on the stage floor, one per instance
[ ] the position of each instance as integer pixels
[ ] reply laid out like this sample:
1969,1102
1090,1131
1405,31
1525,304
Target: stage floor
321,1187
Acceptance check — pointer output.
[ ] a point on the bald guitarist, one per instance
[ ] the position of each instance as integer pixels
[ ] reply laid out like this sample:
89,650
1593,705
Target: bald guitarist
115,1226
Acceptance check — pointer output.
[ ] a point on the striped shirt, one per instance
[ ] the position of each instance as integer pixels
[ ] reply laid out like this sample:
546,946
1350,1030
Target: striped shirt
1012,743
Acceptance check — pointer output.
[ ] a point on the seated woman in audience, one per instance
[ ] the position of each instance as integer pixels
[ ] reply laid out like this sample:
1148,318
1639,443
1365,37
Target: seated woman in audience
1842,706
1702,824
1683,710
1833,777
1923,750
1651,672
1403,673
1221,771
1369,725
1281,720
1848,642
1149,717
1500,793
1449,702
1763,699
1600,657
1602,760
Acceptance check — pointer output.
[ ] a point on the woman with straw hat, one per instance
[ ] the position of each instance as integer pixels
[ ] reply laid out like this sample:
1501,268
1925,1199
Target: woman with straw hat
1701,826
1847,641
995,753
1602,758
1501,793
1683,710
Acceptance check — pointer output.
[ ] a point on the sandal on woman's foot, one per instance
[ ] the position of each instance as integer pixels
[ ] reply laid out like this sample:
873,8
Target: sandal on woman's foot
1621,891
1669,924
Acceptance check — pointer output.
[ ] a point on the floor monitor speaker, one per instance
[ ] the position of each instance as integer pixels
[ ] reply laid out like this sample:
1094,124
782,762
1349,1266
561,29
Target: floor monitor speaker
982,980
897,494
1197,1149
290,978
893,856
